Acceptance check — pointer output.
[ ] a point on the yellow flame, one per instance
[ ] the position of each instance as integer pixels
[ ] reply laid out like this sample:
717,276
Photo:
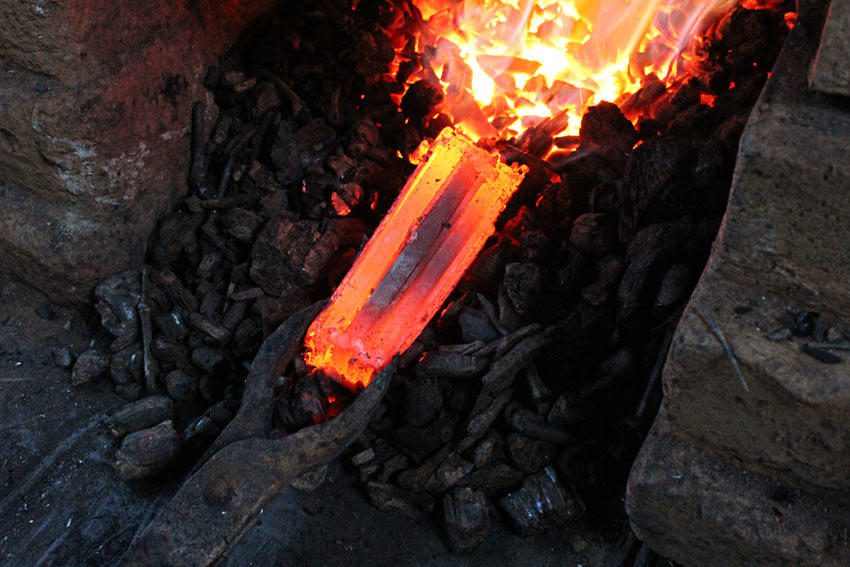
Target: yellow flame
524,60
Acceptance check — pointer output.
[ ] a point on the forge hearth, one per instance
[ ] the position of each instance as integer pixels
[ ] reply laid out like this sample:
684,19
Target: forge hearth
522,404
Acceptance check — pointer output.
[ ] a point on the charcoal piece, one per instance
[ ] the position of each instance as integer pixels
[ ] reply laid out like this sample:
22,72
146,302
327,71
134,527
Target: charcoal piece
542,503
209,327
393,465
450,472
423,399
476,326
117,309
804,323
208,359
221,412
495,477
140,415
147,452
200,433
168,350
669,177
363,136
211,303
674,286
594,233
444,364
686,96
181,386
130,392
605,125
292,251
175,289
176,233
421,100
522,284
419,442
171,325
488,406
363,457
62,357
46,312
570,410
127,365
484,450
596,293
534,425
389,498
528,454
241,224
212,387
822,355
742,25
309,481
89,366
294,152
467,518
234,315
486,271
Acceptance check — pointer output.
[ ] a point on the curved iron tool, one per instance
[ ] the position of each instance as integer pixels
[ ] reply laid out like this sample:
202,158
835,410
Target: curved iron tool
219,501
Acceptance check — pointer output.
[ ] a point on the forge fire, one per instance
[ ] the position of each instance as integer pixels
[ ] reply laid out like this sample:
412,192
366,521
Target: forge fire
497,70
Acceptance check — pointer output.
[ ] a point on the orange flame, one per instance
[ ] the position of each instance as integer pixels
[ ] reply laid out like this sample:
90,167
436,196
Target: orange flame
508,64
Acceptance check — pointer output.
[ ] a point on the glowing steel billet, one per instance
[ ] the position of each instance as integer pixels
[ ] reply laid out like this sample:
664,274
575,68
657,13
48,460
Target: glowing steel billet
415,258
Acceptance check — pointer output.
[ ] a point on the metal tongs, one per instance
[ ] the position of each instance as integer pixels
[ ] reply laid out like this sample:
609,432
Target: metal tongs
243,469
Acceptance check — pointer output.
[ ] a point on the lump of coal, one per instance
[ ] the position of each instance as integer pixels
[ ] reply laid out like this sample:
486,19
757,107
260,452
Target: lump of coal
423,398
594,233
421,100
522,284
467,518
141,415
605,125
90,365
540,504
669,177
389,498
147,452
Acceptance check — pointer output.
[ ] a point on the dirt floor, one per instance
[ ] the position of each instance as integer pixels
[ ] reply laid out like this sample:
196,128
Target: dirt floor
62,503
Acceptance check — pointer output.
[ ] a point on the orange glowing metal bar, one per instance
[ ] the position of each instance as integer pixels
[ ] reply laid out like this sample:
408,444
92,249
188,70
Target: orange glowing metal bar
416,256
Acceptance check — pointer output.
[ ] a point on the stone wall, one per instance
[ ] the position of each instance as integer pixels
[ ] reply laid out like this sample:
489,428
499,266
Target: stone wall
94,111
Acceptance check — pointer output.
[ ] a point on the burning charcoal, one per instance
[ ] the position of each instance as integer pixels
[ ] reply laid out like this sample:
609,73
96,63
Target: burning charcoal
673,287
449,473
181,386
389,498
605,125
171,325
540,504
89,366
670,177
476,326
570,410
200,433
742,25
208,359
423,399
126,365
310,480
176,234
495,477
529,455
141,415
443,364
467,518
62,357
804,323
209,327
147,452
594,234
421,100
522,284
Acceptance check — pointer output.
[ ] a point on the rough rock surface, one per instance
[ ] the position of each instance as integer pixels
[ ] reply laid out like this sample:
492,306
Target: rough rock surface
94,145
